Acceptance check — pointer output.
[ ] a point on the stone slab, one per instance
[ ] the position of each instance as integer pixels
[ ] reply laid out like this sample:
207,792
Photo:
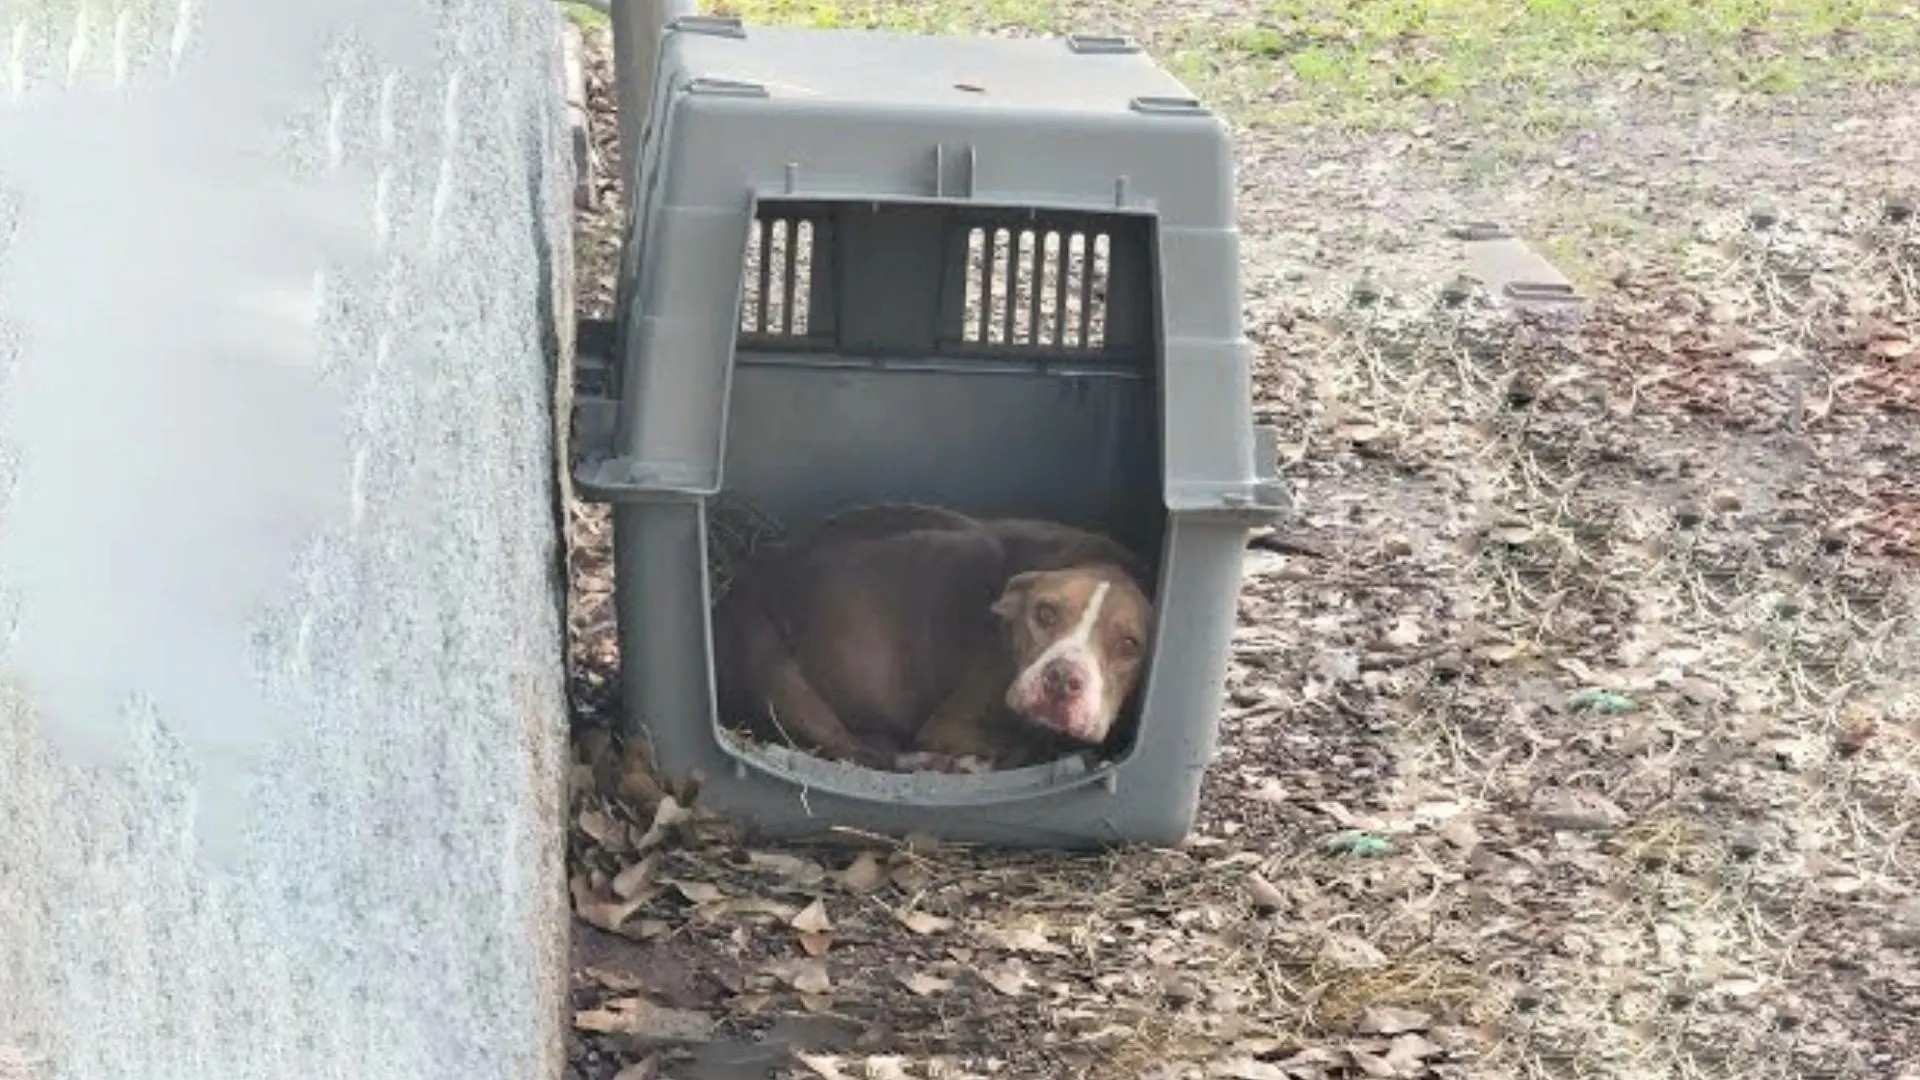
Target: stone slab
282,718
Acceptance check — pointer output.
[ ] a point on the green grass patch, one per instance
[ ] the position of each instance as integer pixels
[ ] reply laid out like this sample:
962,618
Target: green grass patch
940,17
1372,63
586,18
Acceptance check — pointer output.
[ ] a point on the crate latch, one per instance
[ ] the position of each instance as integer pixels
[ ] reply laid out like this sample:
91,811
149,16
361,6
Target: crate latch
712,25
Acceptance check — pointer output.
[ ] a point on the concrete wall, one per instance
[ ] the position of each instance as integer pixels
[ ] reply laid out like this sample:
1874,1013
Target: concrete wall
281,702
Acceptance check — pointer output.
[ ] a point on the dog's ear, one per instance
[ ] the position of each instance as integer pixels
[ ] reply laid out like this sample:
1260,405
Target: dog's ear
1014,594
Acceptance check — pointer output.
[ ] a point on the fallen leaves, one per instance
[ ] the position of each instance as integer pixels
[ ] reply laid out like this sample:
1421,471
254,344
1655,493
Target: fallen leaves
1404,1057
699,892
1349,952
1028,936
644,1022
834,1067
1577,810
634,880
864,875
812,919
1439,765
1264,894
924,923
1009,977
808,975
1393,1020
924,984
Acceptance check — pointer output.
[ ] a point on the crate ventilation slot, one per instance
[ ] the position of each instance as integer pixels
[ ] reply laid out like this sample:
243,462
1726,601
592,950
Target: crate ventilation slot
1037,288
778,278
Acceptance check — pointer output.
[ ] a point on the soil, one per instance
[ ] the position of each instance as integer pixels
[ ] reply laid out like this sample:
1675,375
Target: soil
1573,728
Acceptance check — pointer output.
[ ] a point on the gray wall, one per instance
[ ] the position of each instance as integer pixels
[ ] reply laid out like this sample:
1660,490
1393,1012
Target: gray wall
281,703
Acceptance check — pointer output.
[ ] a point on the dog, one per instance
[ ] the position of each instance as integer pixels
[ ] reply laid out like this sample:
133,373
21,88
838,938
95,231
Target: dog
903,636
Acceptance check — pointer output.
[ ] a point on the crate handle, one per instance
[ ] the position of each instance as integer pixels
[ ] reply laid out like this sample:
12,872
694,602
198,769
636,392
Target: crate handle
1101,44
716,25
726,88
1168,106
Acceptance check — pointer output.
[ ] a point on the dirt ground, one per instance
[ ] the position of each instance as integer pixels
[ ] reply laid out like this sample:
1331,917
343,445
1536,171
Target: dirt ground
1573,727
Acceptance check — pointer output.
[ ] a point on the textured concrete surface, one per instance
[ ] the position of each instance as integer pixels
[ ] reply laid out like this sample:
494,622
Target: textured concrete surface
281,704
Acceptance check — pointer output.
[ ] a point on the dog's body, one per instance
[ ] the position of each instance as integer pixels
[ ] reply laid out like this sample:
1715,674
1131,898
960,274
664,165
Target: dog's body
913,636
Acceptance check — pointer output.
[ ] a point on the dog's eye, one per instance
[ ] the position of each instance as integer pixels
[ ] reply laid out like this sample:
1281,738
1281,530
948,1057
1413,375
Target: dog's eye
1045,614
1128,647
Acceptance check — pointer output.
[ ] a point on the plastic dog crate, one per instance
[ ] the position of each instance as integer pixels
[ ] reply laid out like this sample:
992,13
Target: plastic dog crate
994,275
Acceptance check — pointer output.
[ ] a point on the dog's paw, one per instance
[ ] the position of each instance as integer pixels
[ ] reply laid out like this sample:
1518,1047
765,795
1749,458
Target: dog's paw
931,761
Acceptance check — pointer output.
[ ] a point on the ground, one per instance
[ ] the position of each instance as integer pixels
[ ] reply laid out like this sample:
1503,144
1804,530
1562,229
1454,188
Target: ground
1573,727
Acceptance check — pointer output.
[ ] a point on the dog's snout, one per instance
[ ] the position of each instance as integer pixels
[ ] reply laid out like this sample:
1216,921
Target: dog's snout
1064,680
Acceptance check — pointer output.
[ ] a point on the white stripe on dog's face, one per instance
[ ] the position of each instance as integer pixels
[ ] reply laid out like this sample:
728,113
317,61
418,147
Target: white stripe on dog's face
1075,648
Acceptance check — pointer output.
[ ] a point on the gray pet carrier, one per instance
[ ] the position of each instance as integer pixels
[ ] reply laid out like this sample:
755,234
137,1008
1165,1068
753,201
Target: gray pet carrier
995,275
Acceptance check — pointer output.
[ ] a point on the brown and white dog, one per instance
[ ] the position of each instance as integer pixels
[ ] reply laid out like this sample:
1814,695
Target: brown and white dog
906,636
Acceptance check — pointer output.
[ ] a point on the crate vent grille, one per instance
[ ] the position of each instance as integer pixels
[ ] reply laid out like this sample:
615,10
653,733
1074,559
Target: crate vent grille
1031,288
779,265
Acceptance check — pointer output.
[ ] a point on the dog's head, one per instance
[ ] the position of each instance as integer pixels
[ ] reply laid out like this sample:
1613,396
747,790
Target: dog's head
1079,638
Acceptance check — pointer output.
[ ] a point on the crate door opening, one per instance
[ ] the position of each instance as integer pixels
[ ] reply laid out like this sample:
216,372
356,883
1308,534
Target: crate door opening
997,362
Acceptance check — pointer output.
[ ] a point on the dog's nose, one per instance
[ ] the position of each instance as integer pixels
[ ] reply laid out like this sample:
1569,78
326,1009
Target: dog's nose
1064,680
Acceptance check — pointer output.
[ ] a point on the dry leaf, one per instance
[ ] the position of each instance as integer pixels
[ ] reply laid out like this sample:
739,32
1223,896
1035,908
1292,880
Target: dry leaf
597,824
640,1019
1410,1051
1372,1065
750,908
816,944
925,985
1009,977
1406,633
865,875
804,872
1266,896
638,781
1577,810
1393,1020
1501,653
1315,1058
825,1066
699,892
647,1068
617,981
1025,939
921,922
812,919
1247,1069
808,976
648,929
667,815
889,1067
631,881
1891,348
1461,833
911,877
1349,953
600,913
